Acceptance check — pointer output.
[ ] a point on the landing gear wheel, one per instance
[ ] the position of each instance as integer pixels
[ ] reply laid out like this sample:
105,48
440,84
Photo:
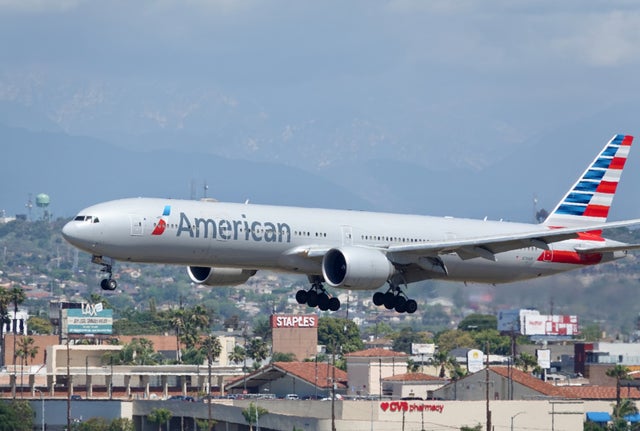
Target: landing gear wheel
302,296
395,298
411,306
317,296
312,299
323,302
389,300
334,304
401,304
108,284
378,299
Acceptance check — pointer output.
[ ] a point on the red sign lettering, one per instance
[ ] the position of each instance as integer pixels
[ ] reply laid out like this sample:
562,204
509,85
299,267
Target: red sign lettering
404,406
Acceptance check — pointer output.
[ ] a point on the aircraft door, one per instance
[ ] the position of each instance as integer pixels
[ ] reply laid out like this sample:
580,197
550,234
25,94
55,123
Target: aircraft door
347,235
137,228
547,255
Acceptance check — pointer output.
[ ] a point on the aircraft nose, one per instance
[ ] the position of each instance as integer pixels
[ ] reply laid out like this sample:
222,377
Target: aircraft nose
69,232
77,234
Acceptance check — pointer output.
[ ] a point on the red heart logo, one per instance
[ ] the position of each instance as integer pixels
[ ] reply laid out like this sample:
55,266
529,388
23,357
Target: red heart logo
384,406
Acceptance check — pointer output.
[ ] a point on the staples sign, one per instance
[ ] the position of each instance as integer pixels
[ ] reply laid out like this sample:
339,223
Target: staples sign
294,321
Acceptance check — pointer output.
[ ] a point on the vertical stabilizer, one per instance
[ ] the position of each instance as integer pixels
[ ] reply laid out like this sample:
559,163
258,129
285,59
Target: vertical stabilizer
590,198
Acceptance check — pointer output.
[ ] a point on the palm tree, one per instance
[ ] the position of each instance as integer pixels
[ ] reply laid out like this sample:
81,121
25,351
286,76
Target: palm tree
626,407
257,350
177,322
253,413
5,300
619,372
160,416
440,359
17,296
210,345
238,354
188,324
196,319
26,349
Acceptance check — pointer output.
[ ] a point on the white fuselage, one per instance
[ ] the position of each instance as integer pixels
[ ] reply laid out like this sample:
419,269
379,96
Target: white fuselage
248,236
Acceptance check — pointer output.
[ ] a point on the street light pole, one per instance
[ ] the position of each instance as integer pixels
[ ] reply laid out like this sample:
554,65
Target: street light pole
244,366
42,402
513,417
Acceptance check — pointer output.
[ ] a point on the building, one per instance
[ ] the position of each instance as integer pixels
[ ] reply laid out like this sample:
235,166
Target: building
295,333
505,383
412,385
17,323
604,354
305,379
366,369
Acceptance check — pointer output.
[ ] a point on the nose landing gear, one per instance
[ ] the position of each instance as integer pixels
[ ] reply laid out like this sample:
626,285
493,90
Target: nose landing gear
107,283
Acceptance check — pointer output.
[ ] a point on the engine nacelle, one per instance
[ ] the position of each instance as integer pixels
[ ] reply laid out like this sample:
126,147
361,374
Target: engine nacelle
219,276
356,268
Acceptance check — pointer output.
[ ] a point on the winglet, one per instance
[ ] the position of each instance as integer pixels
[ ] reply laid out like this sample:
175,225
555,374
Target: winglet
589,200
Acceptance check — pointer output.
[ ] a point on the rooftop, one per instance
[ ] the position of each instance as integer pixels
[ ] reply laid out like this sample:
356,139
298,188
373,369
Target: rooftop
375,353
413,377
319,373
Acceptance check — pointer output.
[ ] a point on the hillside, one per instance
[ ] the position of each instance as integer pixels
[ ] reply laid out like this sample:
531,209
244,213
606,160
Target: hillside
35,256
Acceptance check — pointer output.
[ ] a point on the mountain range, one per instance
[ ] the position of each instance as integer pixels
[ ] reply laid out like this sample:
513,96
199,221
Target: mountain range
100,145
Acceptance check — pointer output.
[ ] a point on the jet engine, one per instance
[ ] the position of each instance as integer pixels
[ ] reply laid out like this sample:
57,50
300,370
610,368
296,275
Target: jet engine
356,268
219,276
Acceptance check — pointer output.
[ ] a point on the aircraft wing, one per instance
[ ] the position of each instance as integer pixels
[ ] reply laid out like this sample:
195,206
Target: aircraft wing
488,246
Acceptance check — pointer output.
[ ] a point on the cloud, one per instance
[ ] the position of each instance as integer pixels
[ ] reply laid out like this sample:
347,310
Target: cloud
38,6
608,39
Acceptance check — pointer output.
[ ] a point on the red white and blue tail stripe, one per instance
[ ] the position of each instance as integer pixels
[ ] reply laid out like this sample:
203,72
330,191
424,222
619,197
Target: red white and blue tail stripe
589,200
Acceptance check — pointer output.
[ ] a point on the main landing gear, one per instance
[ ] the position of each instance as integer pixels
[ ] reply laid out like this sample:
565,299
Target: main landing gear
317,296
395,298
107,283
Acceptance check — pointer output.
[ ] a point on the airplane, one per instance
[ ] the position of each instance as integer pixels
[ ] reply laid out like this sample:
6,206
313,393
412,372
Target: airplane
225,244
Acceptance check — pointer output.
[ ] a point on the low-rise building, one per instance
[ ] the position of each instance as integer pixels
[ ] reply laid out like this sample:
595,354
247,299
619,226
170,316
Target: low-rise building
412,385
366,369
305,379
505,383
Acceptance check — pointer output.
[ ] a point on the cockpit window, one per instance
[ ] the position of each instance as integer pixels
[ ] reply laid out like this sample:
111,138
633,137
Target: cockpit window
90,219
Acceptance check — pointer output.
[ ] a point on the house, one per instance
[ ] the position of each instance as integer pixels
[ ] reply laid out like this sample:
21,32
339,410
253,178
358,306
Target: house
505,383
306,379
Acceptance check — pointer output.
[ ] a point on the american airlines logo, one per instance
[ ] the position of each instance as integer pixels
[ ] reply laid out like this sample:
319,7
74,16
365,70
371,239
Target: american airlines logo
162,223
225,229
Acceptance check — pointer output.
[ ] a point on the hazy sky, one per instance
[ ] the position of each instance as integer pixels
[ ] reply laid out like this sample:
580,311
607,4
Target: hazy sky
437,56
436,83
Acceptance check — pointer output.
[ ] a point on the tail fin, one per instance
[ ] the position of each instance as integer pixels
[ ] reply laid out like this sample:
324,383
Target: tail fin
589,200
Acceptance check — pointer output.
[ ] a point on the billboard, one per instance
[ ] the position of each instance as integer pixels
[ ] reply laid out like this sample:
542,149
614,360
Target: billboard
532,323
87,320
423,349
475,360
550,325
544,358
294,321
